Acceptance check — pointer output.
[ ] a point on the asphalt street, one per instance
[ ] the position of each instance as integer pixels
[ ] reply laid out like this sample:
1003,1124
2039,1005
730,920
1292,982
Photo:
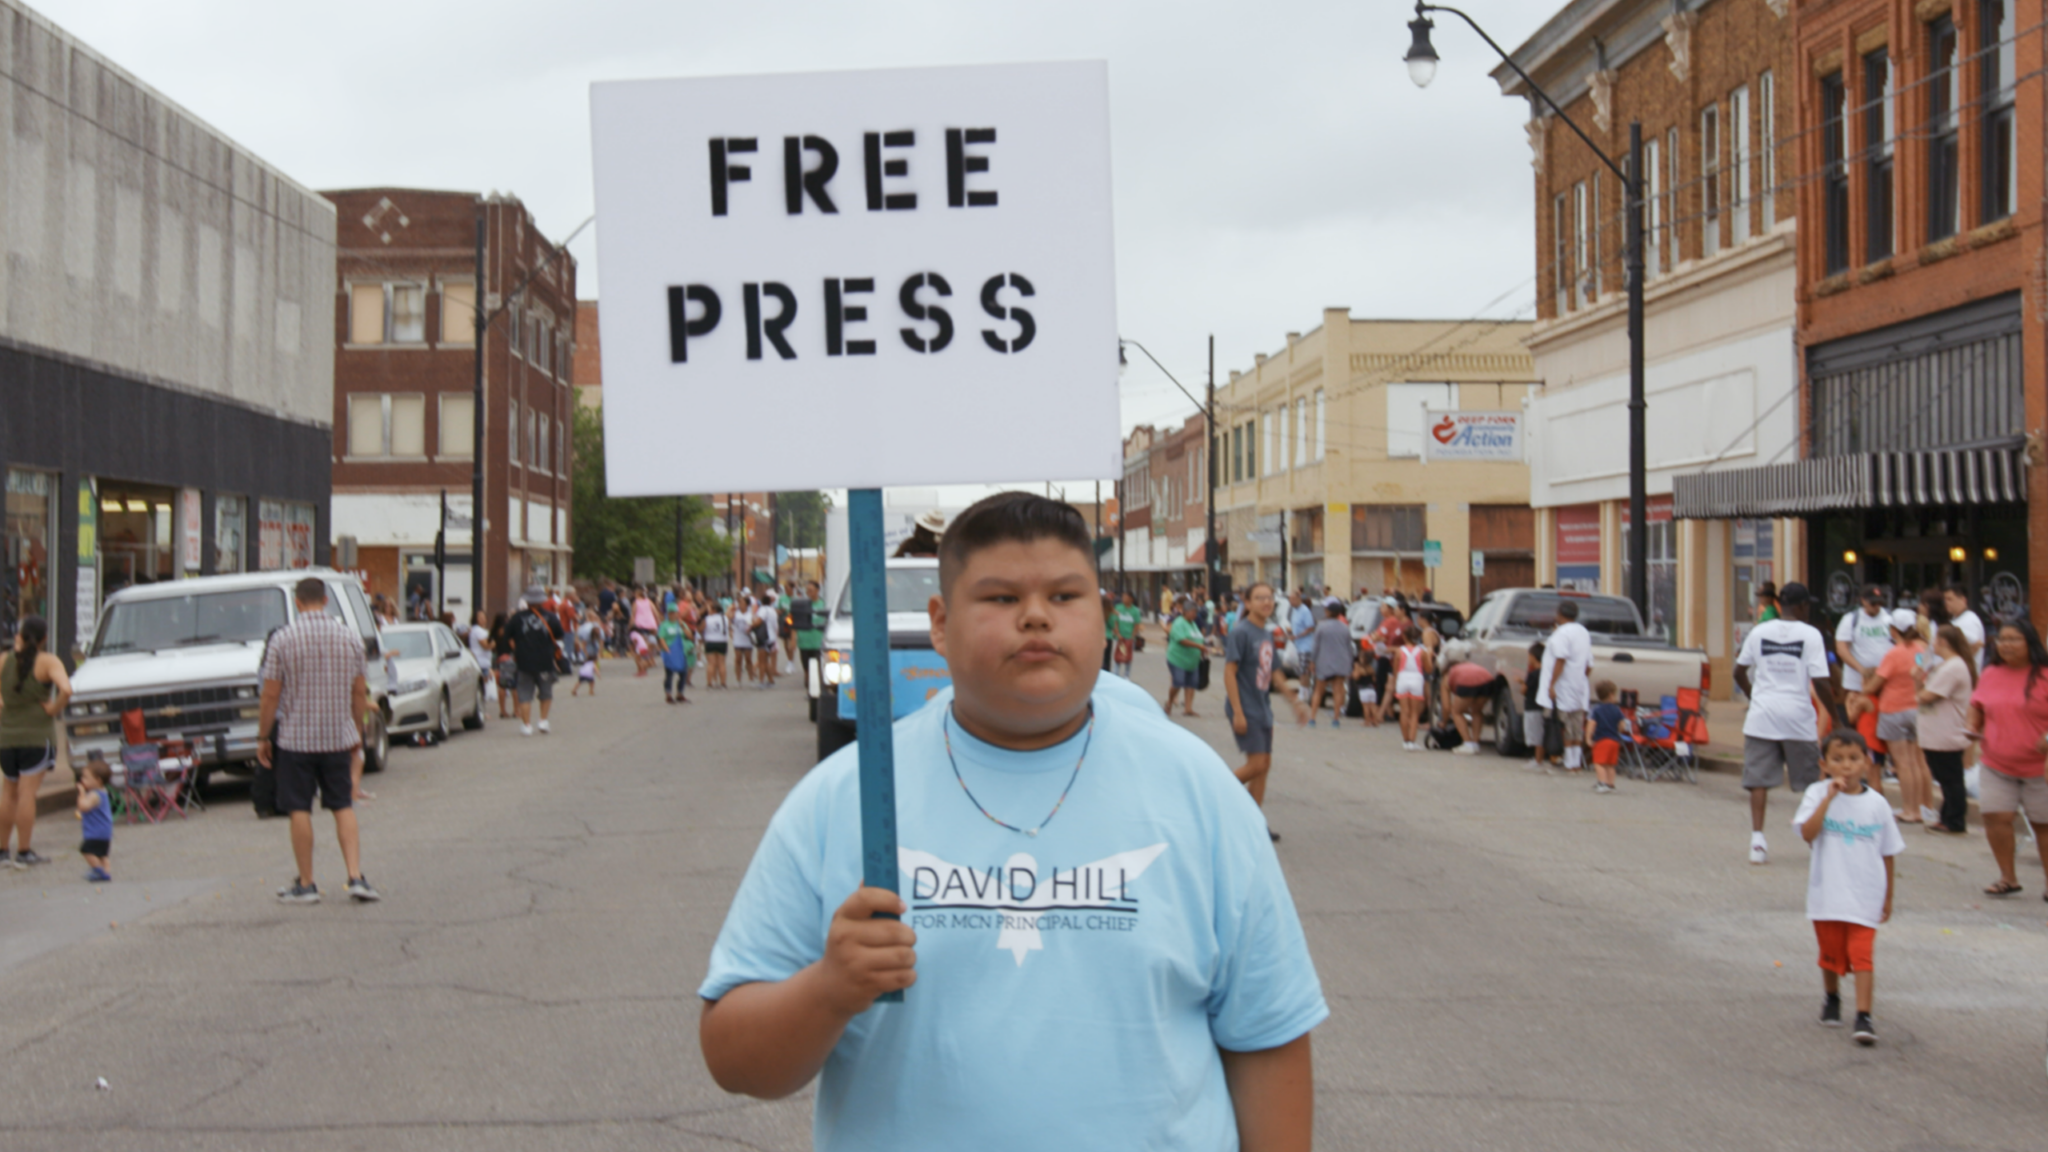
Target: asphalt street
1511,961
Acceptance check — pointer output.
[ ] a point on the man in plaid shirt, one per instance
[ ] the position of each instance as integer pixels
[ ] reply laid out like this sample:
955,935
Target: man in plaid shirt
314,692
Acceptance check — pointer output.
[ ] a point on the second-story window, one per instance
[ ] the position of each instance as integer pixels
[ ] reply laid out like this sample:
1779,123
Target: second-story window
1653,170
386,426
1999,176
458,314
1834,176
1582,239
1943,86
1877,156
1672,156
1738,139
1560,258
1710,179
1767,147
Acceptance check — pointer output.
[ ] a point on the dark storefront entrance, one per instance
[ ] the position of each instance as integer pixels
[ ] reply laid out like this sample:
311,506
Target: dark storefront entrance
1906,550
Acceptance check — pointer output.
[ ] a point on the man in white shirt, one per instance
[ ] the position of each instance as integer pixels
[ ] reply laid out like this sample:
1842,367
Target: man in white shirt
1565,685
1782,668
1862,639
1957,598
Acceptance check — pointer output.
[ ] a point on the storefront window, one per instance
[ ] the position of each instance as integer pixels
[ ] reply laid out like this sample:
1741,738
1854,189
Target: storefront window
1578,548
1753,568
230,532
136,540
284,535
1663,550
30,539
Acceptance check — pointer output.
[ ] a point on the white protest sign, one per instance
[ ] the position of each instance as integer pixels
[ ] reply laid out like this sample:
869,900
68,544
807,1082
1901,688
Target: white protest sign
856,279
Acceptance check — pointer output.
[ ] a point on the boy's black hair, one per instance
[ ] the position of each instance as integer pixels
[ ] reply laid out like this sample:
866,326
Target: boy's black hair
1009,516
1536,651
1843,736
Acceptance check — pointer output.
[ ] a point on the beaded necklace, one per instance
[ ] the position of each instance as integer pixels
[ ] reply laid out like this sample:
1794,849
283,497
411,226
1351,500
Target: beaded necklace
946,727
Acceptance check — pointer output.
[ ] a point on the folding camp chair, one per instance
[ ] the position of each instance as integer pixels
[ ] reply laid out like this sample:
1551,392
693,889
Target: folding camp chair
148,792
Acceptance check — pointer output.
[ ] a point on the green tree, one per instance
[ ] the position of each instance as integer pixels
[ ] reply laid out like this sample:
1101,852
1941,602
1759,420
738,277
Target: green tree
802,516
611,531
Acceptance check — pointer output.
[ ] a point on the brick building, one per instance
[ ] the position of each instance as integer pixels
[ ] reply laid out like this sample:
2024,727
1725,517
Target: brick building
1165,494
404,392
1918,161
1706,79
586,366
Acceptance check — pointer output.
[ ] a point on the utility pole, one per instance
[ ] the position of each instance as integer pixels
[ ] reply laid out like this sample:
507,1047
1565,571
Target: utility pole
478,552
1209,467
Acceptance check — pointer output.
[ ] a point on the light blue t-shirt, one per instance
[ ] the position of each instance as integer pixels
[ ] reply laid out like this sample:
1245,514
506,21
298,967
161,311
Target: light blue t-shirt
1073,987
1302,622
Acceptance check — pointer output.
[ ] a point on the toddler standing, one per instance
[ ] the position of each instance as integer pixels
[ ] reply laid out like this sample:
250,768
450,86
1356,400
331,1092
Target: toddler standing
1849,887
95,820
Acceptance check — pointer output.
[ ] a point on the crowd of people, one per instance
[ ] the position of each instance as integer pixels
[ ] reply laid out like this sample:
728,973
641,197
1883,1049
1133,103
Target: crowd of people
755,637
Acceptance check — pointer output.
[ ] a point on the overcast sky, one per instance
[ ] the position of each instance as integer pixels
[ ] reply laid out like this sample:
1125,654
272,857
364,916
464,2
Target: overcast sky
1271,159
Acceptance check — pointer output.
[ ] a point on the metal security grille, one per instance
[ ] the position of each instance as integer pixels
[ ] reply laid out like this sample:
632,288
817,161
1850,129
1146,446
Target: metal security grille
1950,380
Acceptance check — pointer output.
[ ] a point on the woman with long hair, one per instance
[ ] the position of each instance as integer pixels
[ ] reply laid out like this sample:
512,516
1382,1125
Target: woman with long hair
505,667
33,691
1943,691
2009,714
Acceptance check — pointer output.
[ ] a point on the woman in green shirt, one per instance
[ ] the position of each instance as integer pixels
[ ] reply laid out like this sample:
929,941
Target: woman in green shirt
33,691
1184,652
1123,623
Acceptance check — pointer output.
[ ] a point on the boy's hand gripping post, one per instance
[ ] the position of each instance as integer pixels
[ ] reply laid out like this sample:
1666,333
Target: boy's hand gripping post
873,711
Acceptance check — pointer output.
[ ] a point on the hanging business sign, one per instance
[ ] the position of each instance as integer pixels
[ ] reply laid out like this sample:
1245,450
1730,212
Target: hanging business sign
1493,436
919,261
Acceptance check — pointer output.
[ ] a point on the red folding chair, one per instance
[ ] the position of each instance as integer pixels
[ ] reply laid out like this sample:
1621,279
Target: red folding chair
148,790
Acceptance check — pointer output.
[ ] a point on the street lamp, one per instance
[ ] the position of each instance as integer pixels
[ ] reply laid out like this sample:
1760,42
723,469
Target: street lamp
1208,410
1422,61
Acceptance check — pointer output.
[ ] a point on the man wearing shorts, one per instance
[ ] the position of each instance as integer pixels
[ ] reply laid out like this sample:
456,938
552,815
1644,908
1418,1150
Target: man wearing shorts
1566,689
534,636
313,697
1248,686
1782,667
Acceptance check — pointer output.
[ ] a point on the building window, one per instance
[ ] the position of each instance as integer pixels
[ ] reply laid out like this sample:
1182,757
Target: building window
1877,152
1653,169
1251,449
533,457
230,534
512,427
1996,79
515,330
29,577
543,451
387,314
1676,183
458,425
1582,239
458,314
1560,266
1739,197
1710,179
1834,177
1386,527
1767,147
1599,222
1322,421
385,425
1943,88
1301,432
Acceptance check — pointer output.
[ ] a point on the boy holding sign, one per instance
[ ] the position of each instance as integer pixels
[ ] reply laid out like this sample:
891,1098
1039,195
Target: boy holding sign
1090,903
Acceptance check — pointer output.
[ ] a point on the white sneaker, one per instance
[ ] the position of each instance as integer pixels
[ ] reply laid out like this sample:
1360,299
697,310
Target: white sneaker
1533,766
542,726
1467,749
1758,853
1929,815
526,729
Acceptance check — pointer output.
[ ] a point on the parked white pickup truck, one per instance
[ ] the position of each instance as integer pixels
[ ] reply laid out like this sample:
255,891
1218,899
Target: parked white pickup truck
188,654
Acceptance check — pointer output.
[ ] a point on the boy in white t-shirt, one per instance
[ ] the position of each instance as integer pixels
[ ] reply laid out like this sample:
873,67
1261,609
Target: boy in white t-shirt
1849,887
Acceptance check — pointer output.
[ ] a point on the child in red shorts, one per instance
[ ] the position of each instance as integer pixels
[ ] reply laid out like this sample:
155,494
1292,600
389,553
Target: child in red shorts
1605,723
1849,887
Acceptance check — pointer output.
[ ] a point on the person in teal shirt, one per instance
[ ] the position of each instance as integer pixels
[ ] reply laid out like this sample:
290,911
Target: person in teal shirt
1184,652
675,656
1123,624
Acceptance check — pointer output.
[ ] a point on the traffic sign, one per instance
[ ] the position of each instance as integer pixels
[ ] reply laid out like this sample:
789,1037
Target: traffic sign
1432,553
1478,563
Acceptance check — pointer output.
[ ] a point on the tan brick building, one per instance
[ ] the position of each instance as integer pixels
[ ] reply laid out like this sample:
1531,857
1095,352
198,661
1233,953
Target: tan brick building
404,395
1707,80
1326,439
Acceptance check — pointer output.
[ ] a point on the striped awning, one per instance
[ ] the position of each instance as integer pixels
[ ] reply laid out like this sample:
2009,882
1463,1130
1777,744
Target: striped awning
1977,475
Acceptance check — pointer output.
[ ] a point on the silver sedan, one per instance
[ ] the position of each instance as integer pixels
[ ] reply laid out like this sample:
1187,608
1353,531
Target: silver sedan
434,681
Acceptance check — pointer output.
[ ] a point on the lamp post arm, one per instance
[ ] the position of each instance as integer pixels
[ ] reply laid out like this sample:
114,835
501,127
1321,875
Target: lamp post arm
1534,87
1203,408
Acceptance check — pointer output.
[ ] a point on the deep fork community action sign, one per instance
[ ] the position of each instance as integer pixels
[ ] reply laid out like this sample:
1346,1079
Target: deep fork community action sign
856,279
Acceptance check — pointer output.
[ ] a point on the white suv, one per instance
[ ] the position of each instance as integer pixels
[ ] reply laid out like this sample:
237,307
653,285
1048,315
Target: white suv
189,655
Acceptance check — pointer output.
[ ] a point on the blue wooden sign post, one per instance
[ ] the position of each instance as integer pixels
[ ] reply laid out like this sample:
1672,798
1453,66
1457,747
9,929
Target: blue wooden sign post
873,719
